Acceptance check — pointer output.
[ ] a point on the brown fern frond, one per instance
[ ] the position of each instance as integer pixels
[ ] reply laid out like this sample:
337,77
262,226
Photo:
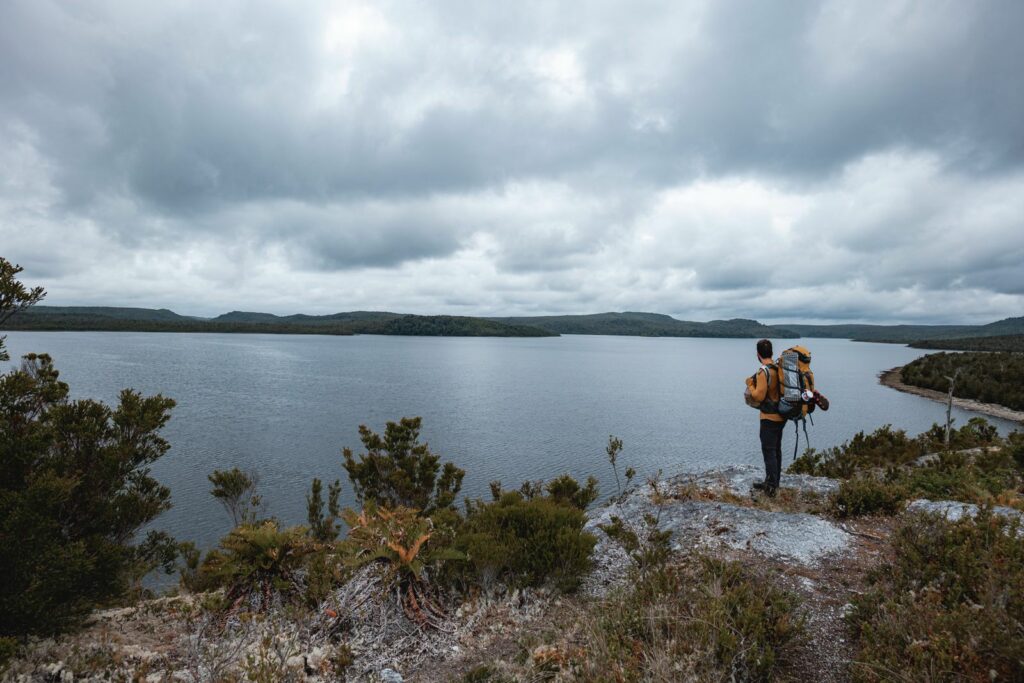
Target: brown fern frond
400,551
415,549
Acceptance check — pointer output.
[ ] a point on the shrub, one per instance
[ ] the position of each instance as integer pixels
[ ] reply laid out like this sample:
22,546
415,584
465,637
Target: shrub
567,491
236,491
400,538
949,606
886,450
885,447
256,560
866,496
527,541
75,489
398,471
648,548
718,619
323,527
955,476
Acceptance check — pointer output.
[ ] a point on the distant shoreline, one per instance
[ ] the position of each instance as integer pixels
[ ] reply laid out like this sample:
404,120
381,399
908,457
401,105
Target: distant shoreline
891,378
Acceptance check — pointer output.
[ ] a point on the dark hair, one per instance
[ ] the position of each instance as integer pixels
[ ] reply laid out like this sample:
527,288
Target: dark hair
764,348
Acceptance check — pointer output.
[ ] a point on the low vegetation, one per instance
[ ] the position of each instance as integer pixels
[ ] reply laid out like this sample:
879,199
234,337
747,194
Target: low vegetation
860,496
996,377
948,606
886,448
882,470
528,537
700,619
709,619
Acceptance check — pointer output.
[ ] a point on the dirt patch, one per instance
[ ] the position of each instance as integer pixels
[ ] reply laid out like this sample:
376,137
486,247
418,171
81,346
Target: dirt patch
891,379
829,652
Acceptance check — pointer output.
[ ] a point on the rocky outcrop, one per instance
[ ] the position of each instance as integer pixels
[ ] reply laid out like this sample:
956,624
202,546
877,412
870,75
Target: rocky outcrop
725,519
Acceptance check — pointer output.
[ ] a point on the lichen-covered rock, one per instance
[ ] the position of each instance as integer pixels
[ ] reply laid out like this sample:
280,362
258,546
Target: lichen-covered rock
794,537
738,480
953,510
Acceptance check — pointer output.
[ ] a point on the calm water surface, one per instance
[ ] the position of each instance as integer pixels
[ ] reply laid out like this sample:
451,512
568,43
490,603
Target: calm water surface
508,409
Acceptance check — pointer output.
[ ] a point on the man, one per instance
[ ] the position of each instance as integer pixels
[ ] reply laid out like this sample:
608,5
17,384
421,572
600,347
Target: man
763,386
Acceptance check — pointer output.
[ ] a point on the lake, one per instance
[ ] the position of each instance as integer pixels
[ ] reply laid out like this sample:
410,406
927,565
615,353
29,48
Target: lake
508,409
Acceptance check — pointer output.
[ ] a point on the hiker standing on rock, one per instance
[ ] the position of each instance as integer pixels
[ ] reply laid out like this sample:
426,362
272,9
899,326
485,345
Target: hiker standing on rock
762,391
783,391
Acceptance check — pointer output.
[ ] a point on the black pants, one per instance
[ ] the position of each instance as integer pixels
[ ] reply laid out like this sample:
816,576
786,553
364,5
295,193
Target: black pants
771,449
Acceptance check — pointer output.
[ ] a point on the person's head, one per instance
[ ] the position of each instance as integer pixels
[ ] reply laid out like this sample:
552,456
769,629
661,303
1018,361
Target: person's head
764,349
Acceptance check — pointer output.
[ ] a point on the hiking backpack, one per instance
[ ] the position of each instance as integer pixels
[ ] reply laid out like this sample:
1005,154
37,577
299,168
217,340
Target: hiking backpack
795,377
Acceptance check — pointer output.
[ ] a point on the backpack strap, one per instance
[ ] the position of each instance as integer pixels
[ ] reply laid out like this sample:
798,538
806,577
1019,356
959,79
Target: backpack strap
797,423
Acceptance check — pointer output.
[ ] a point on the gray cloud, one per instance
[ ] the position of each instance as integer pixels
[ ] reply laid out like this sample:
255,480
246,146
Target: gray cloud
464,157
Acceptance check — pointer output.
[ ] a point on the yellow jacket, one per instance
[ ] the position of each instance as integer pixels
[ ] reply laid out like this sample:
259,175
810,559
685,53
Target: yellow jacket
764,385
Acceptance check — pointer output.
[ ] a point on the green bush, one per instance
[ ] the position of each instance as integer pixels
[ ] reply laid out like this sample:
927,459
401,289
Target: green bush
892,452
323,527
885,447
258,559
954,476
949,606
718,619
398,471
75,489
526,541
235,490
866,496
567,491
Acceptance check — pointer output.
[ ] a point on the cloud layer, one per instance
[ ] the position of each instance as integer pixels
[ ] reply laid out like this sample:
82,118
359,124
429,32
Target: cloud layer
803,161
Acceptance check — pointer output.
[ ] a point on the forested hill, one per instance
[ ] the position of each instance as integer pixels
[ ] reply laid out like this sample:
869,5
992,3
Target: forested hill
905,334
116,312
1009,342
55,318
648,325
303,319
624,323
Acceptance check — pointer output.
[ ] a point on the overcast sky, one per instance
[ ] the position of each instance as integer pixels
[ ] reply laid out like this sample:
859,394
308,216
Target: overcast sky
774,160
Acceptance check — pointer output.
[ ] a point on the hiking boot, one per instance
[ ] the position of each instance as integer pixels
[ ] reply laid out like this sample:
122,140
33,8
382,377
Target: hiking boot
770,490
760,486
